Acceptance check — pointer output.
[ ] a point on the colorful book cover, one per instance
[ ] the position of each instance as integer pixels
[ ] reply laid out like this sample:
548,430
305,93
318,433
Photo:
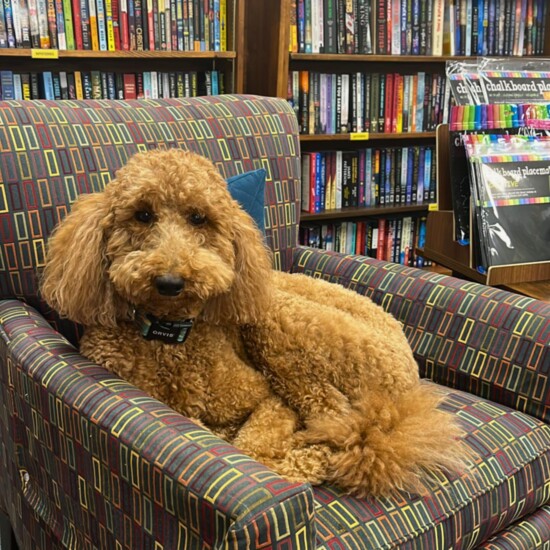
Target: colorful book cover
124,25
46,82
94,35
85,25
26,86
59,31
139,13
115,7
3,30
7,90
109,26
102,25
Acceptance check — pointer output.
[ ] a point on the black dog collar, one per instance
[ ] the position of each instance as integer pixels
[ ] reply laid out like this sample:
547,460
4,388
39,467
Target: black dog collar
172,332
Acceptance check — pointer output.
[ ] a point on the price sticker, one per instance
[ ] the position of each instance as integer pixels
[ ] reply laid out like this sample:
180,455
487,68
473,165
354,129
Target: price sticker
44,54
358,136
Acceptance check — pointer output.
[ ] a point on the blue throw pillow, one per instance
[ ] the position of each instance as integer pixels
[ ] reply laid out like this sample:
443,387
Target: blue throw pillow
249,191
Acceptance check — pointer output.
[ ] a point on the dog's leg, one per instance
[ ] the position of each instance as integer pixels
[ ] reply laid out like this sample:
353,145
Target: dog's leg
270,436
357,390
321,359
319,291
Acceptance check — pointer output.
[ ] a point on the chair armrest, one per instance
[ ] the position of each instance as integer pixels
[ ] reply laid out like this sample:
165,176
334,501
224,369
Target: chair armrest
464,335
92,461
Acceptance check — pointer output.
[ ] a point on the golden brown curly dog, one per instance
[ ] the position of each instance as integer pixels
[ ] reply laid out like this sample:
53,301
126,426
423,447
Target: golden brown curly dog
311,379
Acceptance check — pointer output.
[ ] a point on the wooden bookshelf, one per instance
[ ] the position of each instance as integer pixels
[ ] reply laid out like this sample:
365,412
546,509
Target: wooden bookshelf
123,54
373,58
229,62
374,136
268,63
267,73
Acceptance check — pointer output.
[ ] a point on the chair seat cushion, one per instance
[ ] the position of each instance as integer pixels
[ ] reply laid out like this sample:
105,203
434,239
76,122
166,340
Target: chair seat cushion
509,478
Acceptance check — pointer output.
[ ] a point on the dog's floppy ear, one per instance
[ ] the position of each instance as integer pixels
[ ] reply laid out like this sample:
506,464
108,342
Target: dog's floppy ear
74,281
249,293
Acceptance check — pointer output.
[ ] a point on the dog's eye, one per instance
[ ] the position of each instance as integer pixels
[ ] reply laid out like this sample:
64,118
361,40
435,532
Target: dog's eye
196,218
144,216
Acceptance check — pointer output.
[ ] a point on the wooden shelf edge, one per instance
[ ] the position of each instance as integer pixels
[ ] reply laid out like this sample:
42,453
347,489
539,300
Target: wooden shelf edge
362,212
122,54
454,265
375,57
371,137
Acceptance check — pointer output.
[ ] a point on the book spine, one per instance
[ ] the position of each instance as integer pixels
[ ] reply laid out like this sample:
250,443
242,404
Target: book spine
85,25
109,28
437,32
68,21
216,18
132,34
101,25
94,36
138,19
124,26
223,25
3,30
115,7
10,29
43,24
381,27
26,86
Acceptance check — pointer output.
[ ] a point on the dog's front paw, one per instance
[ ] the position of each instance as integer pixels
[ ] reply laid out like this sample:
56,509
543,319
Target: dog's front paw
308,464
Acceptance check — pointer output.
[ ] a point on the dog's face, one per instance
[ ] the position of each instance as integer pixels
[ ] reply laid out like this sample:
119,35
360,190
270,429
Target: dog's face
170,247
165,237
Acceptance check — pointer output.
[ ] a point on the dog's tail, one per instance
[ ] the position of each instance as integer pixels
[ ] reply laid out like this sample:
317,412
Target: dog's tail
388,445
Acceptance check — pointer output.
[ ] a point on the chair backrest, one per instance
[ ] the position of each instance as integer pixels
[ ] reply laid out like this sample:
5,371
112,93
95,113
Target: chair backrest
52,151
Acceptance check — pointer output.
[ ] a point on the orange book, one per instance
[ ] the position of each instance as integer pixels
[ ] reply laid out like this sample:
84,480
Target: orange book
94,34
398,104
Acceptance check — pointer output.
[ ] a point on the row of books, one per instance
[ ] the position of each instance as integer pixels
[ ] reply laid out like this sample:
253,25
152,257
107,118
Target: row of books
389,176
109,85
390,239
109,25
331,26
368,102
495,27
419,27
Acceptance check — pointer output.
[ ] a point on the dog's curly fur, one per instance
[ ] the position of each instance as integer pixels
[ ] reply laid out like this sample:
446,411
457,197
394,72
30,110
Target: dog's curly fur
311,379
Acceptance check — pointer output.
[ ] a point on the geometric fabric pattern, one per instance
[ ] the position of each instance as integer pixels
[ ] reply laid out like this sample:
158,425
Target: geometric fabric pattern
529,533
88,461
92,462
132,471
479,339
509,478
52,151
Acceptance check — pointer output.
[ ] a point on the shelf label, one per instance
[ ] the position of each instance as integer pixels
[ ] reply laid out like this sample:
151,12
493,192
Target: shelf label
433,207
44,54
358,136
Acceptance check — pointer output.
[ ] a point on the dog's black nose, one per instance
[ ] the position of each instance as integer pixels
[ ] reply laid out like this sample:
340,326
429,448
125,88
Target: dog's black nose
169,285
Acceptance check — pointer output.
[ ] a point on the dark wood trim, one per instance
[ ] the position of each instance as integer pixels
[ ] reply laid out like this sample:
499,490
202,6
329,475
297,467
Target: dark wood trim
374,58
267,36
373,136
122,54
362,212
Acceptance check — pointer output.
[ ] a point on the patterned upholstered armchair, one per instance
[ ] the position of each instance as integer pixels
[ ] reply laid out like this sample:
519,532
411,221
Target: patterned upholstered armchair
88,461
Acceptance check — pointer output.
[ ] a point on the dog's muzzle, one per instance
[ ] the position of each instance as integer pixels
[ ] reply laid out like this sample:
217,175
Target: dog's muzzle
169,285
